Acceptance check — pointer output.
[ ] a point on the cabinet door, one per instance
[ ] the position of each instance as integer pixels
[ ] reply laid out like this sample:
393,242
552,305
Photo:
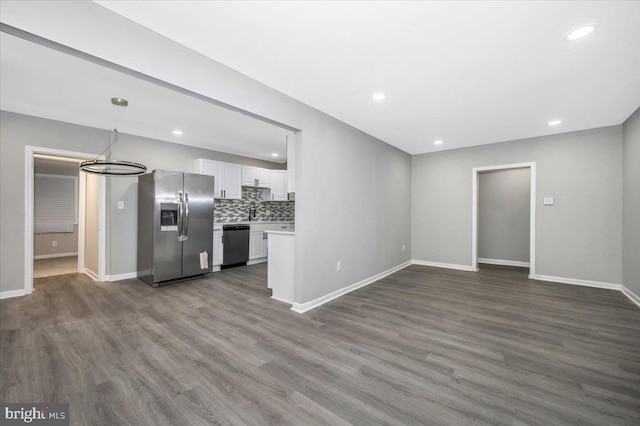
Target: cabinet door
278,185
265,245
255,245
212,168
217,249
264,177
231,181
249,176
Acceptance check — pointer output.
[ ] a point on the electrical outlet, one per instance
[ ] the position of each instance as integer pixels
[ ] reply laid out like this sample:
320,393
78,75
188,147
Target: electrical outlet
339,266
54,244
403,247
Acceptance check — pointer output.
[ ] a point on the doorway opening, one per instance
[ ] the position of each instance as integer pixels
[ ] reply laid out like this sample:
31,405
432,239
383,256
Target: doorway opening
503,227
56,214
64,216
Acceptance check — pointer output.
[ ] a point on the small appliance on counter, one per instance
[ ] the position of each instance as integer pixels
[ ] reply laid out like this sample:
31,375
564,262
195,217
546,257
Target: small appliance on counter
175,226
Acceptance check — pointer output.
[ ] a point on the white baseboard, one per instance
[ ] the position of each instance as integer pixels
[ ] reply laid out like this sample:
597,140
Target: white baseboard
574,281
11,293
119,277
442,265
256,261
503,262
92,274
282,300
307,306
216,268
52,256
631,295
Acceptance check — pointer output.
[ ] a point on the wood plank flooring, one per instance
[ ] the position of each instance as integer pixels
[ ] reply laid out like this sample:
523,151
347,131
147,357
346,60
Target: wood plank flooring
422,346
55,266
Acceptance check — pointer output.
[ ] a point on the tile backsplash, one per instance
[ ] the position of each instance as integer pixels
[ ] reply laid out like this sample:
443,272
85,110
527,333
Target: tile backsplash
238,210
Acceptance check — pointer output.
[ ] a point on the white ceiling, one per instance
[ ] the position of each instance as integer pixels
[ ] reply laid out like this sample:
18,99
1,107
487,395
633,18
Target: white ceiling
468,73
42,82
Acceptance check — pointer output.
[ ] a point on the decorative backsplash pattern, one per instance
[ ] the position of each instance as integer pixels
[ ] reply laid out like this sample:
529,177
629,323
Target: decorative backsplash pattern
238,210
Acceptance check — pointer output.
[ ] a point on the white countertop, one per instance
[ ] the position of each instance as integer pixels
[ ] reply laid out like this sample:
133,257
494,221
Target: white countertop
292,233
253,222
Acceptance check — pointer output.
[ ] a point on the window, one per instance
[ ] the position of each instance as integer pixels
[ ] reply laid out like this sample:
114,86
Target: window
55,204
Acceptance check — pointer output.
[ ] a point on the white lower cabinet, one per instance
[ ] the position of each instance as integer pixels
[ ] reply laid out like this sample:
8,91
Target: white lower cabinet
256,245
258,242
217,247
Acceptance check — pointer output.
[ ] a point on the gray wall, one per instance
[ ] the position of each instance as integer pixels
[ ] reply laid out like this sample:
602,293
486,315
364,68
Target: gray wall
18,131
631,210
352,205
503,215
579,237
67,242
92,224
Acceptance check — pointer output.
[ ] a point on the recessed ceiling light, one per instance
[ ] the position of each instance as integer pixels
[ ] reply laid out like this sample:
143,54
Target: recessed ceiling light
554,122
177,132
379,96
274,154
581,32
437,142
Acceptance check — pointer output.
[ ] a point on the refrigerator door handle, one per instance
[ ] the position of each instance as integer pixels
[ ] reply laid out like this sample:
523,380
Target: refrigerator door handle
180,216
186,216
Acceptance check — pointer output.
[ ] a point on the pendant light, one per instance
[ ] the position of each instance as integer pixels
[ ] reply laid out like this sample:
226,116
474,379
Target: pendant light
113,167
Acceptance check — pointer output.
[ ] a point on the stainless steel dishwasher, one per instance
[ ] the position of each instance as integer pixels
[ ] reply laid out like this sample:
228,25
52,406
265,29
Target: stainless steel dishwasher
235,240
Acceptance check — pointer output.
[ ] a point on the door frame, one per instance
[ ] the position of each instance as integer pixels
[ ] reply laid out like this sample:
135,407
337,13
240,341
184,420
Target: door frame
29,178
475,175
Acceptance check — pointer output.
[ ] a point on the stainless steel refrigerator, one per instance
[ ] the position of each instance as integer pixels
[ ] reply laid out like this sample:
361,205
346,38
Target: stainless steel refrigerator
175,226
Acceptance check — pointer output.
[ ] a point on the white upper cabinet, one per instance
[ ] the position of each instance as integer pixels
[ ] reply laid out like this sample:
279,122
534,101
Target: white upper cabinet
264,178
231,181
279,185
227,177
255,176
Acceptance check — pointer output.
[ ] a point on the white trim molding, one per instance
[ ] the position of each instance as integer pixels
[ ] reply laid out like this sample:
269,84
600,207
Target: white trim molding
120,277
281,300
575,281
532,210
307,306
11,293
91,274
256,261
53,256
631,295
502,262
442,265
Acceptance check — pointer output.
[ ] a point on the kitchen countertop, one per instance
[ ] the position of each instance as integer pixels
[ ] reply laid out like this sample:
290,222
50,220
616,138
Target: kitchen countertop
281,232
253,222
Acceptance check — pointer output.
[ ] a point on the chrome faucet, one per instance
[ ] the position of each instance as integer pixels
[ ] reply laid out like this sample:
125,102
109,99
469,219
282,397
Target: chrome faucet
252,211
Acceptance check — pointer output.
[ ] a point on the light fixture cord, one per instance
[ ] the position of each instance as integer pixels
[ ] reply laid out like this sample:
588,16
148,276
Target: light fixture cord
113,136
113,139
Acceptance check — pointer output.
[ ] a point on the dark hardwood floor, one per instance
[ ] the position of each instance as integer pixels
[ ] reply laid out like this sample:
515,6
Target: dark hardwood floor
422,346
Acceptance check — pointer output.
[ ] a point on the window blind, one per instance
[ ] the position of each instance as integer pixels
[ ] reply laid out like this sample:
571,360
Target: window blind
55,203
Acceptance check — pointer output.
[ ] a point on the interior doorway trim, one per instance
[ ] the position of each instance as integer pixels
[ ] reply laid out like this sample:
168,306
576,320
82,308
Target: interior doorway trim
29,209
475,175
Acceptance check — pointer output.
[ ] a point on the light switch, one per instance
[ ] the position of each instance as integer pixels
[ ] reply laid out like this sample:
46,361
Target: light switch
120,205
548,201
